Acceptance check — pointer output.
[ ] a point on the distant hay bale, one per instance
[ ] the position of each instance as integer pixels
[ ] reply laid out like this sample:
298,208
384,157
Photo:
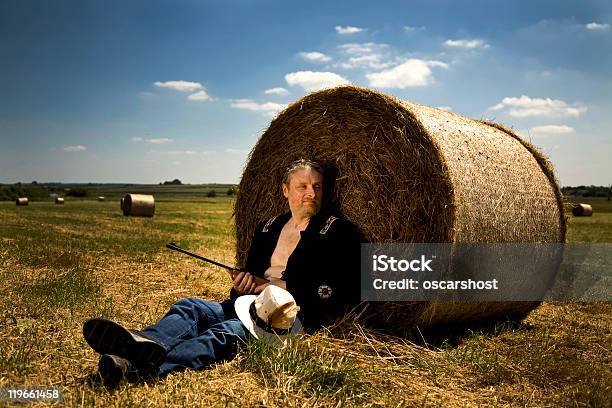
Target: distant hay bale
101,198
582,210
22,201
122,205
138,205
405,172
59,200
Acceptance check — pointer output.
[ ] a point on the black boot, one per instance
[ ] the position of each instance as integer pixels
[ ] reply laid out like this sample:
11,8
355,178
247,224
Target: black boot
113,369
107,337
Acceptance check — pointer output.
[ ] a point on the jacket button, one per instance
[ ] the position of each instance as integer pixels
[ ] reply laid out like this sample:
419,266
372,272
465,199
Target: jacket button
324,291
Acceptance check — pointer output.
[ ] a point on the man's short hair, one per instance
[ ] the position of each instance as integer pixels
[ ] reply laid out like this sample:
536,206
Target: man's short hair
301,164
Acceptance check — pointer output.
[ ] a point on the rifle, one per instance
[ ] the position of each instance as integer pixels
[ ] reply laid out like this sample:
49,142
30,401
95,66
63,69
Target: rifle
233,271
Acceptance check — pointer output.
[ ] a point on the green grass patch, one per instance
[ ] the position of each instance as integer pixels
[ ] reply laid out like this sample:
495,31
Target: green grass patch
64,290
303,367
18,351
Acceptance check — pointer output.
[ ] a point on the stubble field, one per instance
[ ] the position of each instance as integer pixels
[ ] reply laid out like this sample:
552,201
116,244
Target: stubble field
60,265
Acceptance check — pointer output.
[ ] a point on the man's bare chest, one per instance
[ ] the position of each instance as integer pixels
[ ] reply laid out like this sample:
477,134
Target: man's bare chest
286,244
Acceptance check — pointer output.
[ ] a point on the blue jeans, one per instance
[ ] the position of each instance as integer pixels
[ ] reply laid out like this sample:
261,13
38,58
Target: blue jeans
197,333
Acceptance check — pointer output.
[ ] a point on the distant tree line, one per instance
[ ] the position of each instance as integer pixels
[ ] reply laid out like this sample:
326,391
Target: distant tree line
588,191
175,182
78,192
45,191
38,192
33,192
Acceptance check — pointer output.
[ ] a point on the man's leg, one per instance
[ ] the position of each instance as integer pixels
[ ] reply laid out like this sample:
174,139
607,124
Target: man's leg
125,350
187,319
218,343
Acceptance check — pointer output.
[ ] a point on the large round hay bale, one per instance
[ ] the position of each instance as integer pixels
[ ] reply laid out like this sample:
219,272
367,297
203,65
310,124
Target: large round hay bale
22,201
101,198
138,205
582,210
59,200
405,172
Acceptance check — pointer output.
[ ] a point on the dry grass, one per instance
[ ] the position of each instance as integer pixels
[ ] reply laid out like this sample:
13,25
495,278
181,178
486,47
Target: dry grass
62,265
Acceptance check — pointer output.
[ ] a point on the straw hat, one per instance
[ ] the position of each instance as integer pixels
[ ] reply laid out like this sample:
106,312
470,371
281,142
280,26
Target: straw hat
271,315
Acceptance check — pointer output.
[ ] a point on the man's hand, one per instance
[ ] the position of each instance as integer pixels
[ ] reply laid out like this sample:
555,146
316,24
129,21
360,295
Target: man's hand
273,281
244,283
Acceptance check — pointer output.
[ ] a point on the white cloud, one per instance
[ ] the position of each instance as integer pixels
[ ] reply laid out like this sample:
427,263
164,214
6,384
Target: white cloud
312,81
445,108
413,72
314,56
236,151
348,30
199,96
373,61
77,148
365,55
411,29
276,91
161,140
597,26
183,86
526,106
551,130
270,108
137,139
174,152
471,44
362,48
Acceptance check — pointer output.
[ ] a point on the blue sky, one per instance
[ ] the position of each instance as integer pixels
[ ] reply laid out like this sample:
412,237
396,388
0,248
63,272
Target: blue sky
147,91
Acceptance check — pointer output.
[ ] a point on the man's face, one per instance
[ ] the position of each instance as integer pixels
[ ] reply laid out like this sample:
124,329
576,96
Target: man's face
304,192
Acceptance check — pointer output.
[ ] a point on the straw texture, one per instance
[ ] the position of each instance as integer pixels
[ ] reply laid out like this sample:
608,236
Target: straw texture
582,210
138,205
405,172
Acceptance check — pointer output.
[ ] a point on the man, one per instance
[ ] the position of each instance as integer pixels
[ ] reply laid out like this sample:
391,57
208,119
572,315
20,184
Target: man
311,253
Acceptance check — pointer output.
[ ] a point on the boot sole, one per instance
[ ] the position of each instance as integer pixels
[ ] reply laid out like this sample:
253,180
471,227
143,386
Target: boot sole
108,337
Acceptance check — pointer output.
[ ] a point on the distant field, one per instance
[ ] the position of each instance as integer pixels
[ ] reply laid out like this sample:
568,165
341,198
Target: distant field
60,265
160,191
172,192
597,228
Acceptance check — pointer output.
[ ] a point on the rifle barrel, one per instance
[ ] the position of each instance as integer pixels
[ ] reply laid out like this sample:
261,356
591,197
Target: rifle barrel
174,247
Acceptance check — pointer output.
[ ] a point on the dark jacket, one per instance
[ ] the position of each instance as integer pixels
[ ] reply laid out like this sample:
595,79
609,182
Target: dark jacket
322,273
